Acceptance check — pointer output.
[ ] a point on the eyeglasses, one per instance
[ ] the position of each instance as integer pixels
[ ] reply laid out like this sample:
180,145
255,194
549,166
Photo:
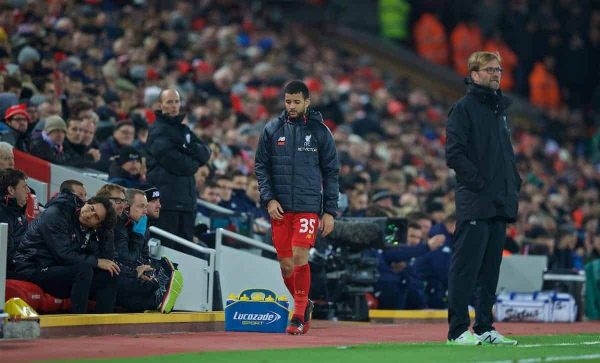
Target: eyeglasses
492,70
118,201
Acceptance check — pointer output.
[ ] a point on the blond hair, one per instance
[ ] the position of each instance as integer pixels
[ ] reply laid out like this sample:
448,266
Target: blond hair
477,59
107,189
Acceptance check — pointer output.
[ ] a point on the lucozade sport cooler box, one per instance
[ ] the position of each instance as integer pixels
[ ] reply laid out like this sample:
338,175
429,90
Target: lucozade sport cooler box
257,310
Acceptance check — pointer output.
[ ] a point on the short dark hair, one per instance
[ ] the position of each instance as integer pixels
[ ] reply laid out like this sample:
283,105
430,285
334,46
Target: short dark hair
80,105
414,225
73,119
10,178
68,185
450,218
111,216
296,86
417,215
237,173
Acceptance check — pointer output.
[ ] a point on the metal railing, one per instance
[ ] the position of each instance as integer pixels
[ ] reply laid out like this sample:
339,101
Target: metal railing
238,237
195,247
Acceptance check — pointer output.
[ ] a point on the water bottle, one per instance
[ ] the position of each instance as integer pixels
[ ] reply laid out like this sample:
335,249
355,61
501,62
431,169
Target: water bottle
154,247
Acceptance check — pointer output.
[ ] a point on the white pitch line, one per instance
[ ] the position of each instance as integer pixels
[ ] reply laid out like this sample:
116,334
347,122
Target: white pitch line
549,359
556,344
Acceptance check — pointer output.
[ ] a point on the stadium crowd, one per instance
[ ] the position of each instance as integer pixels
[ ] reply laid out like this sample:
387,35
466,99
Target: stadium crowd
80,83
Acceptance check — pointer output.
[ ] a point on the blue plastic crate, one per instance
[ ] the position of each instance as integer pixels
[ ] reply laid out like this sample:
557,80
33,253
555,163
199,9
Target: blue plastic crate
257,310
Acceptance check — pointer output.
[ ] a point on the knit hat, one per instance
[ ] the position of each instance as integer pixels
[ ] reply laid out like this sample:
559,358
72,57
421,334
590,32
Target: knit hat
28,54
54,123
381,195
128,153
152,194
20,109
122,123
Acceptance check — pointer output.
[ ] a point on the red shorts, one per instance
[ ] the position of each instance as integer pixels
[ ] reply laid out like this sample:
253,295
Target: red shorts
294,230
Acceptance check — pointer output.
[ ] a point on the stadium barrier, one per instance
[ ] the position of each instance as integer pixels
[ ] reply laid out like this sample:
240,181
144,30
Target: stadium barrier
198,273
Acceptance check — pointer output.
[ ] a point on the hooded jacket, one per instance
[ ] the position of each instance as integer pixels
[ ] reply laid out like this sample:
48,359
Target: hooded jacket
478,148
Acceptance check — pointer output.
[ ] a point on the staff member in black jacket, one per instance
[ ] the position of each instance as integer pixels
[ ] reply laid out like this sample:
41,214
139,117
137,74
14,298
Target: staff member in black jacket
13,201
174,156
479,150
60,252
297,170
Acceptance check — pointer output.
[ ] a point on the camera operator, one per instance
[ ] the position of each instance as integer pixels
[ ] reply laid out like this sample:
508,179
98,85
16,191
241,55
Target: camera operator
398,286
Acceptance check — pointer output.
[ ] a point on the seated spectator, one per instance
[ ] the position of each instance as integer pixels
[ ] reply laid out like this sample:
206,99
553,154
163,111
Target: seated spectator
139,288
249,202
125,169
7,158
423,220
76,187
209,193
141,135
13,201
593,249
240,182
76,153
225,185
383,199
358,202
17,119
59,252
122,135
89,133
50,146
565,255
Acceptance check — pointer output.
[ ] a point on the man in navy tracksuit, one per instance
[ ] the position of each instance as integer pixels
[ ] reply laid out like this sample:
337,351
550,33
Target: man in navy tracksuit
297,169
398,286
432,268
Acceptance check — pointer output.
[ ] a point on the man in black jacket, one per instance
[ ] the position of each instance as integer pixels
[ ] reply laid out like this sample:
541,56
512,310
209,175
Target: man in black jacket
174,156
13,201
60,252
297,170
479,150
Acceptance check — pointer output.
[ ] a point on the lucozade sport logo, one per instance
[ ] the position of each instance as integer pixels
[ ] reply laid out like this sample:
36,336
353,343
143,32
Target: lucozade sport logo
257,319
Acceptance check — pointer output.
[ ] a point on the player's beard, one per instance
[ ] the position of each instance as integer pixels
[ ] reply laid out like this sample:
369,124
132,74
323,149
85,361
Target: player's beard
298,116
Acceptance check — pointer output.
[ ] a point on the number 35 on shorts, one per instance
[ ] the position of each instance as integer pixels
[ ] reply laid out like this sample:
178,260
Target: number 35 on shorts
308,225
